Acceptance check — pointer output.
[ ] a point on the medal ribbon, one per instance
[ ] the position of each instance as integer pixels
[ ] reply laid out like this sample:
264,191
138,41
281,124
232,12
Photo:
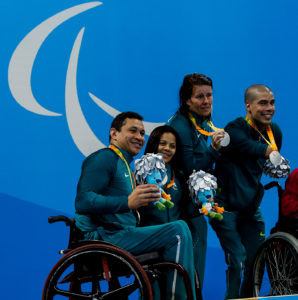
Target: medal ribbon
131,176
171,182
200,130
210,124
272,143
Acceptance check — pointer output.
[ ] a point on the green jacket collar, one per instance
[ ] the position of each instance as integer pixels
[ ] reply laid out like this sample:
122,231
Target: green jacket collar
128,157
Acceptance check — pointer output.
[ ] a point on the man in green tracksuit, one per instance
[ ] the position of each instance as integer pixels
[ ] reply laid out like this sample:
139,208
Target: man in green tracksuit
239,171
107,196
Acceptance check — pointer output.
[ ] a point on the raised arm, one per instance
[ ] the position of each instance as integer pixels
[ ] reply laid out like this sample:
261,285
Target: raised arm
241,143
196,154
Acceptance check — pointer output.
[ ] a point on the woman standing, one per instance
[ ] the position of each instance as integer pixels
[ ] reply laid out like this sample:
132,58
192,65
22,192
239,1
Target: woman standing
193,124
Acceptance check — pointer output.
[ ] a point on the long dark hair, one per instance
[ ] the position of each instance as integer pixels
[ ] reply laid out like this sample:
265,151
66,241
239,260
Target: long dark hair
154,140
187,87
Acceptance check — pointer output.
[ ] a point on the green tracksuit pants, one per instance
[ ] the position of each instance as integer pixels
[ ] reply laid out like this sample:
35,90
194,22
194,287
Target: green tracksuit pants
172,239
198,228
240,237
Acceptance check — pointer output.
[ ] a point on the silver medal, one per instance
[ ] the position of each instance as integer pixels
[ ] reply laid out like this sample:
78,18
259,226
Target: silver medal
226,140
277,171
275,158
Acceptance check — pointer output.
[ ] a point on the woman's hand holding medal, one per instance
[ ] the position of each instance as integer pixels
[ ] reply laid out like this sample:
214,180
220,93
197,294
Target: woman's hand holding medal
220,138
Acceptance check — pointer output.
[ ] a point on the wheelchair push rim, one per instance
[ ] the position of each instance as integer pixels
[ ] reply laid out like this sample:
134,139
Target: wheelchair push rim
275,269
97,271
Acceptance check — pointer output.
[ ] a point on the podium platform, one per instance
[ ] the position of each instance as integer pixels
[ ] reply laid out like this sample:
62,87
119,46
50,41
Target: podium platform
289,297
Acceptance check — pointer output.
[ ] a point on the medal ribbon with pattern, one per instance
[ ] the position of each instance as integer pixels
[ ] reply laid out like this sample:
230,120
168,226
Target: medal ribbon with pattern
170,183
131,176
271,141
199,129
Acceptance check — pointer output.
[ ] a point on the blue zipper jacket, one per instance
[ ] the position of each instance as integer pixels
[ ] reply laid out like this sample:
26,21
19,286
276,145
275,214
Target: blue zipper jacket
102,194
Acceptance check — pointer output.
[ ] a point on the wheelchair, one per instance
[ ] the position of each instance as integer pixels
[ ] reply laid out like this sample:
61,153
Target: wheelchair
95,269
275,268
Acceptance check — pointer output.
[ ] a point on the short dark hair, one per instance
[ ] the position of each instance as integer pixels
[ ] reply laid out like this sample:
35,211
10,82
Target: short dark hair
187,87
252,91
154,140
119,120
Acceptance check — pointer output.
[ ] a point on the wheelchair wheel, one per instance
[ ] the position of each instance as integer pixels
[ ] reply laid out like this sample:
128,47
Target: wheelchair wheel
275,270
97,271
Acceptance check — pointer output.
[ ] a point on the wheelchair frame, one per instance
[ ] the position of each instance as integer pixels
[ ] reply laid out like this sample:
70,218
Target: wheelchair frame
275,268
95,269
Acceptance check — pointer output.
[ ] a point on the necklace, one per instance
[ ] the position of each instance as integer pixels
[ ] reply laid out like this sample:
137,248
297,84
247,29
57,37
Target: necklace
271,141
171,182
131,176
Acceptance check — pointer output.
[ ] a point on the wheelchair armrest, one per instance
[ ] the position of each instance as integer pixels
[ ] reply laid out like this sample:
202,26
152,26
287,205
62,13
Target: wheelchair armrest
60,218
148,257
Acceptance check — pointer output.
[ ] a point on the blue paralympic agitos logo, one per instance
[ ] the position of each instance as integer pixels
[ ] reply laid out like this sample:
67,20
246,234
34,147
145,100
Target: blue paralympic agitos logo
19,79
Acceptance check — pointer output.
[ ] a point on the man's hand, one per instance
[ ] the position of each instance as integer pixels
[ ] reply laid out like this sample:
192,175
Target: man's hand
268,151
142,195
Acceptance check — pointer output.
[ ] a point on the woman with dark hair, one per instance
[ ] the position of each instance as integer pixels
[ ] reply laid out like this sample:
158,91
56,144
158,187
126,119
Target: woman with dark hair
158,142
193,124
165,140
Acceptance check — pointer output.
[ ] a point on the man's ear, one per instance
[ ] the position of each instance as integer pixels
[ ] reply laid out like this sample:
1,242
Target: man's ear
247,105
113,134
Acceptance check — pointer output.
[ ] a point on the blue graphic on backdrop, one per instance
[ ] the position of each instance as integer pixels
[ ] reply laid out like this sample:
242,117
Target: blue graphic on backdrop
21,64
19,78
72,67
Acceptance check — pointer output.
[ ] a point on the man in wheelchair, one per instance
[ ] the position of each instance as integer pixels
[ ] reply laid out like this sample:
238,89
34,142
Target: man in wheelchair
289,200
289,205
107,200
275,266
